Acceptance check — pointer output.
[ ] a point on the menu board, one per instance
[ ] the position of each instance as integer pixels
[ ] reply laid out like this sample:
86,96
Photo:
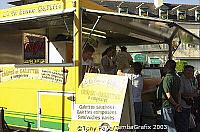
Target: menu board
34,48
99,103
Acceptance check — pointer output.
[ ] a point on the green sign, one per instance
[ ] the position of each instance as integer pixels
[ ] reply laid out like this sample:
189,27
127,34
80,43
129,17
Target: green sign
155,61
140,58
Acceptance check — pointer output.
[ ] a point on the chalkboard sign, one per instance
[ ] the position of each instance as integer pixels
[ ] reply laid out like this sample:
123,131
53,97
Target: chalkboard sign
34,48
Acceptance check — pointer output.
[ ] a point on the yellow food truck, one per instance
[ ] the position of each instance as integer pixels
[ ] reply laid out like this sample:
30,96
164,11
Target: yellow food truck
40,60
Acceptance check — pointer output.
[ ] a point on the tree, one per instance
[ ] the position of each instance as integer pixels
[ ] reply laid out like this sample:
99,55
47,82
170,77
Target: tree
180,65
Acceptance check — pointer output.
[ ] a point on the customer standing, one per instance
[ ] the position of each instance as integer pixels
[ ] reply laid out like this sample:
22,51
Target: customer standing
187,95
136,80
171,96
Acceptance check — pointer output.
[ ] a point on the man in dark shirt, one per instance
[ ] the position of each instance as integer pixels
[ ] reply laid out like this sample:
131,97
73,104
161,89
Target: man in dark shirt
171,96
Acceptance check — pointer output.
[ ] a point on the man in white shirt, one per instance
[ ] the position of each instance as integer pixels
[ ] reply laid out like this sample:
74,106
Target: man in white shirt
137,81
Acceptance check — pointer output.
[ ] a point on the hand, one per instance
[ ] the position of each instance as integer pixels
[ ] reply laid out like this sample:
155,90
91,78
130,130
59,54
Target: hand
178,108
120,73
195,95
71,98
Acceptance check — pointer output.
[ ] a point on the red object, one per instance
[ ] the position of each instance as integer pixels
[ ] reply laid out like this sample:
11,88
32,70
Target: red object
150,84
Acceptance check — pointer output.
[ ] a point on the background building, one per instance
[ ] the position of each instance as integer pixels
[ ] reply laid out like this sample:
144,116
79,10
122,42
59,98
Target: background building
188,16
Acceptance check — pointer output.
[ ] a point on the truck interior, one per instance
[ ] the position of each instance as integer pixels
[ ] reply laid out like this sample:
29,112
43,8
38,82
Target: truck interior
39,40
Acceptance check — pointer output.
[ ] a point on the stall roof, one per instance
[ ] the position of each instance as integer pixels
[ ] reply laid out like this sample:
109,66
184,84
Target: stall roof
145,30
119,28
41,14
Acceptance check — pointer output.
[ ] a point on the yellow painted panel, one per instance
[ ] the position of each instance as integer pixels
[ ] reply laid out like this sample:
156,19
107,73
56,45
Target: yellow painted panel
41,8
52,105
92,5
19,86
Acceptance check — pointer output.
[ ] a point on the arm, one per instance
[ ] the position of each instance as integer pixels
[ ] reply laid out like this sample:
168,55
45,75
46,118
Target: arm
179,97
105,63
130,57
141,83
167,84
171,100
189,95
183,93
176,105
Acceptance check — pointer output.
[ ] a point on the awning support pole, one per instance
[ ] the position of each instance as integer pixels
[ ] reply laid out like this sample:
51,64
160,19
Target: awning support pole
170,50
169,42
65,25
173,34
179,43
98,18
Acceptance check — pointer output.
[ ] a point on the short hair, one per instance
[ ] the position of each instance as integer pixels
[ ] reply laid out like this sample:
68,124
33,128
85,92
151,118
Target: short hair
198,76
107,50
171,64
89,48
188,66
123,48
137,66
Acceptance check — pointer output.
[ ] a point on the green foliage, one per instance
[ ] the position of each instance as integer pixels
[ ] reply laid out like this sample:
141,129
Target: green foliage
180,65
187,38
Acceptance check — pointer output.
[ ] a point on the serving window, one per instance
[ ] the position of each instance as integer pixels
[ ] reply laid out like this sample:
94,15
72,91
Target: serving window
39,49
46,40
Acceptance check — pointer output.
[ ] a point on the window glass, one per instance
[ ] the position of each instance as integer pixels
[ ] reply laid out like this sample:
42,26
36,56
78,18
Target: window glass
163,14
197,15
181,15
143,11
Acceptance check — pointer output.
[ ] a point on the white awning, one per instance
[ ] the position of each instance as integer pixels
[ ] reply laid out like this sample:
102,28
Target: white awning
133,29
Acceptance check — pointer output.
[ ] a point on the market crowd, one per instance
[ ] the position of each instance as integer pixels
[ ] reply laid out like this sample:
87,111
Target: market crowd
180,91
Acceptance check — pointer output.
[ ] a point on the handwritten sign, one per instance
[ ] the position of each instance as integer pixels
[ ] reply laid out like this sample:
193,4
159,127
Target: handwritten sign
12,73
34,48
99,102
31,10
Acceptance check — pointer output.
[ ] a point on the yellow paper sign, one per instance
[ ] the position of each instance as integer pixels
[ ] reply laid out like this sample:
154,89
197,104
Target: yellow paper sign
99,103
